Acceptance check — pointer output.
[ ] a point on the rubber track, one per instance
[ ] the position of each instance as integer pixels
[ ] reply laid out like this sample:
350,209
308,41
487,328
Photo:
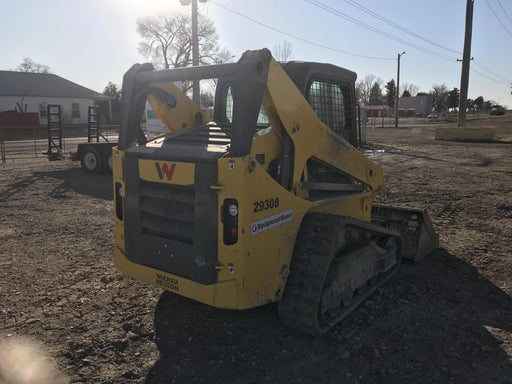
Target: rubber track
316,245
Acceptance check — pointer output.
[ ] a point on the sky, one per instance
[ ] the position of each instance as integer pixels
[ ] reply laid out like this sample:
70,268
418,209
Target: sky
94,42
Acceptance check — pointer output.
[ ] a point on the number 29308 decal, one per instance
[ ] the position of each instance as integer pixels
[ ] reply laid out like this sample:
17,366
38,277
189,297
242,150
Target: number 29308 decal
263,205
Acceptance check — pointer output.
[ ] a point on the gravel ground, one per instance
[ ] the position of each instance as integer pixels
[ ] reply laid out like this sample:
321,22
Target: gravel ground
447,319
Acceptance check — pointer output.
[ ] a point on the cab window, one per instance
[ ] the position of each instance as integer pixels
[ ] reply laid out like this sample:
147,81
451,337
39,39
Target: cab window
331,102
263,123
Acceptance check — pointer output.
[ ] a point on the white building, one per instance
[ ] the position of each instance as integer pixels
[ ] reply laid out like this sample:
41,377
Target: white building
32,92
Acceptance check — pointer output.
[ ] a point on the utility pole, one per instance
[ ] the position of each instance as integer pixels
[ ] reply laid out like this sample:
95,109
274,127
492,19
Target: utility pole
397,89
466,58
195,47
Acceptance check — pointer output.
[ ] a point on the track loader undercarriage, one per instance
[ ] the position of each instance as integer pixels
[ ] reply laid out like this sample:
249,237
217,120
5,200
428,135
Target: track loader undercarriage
267,200
337,263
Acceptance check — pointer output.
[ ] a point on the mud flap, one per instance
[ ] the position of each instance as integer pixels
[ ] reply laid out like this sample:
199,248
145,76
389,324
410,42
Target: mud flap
415,226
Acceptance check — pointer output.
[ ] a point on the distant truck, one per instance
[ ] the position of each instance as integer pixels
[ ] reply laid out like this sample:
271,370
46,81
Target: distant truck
497,110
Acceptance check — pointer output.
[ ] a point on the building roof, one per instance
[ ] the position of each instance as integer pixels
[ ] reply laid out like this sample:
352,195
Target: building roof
43,85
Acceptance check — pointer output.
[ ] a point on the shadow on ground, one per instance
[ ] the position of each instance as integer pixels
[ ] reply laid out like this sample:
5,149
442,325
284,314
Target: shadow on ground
73,179
435,322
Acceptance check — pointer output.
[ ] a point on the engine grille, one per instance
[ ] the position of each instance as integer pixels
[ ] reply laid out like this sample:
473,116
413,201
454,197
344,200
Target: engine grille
171,227
167,211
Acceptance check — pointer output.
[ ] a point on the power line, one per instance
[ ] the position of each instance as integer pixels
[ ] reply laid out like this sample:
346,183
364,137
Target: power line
480,64
297,37
487,76
496,15
493,76
376,30
504,11
397,26
364,25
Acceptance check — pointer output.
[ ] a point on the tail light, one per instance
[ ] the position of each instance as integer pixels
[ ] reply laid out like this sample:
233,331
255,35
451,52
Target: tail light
230,221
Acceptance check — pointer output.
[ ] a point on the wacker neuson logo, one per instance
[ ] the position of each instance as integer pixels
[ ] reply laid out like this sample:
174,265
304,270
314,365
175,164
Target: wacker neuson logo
271,222
165,170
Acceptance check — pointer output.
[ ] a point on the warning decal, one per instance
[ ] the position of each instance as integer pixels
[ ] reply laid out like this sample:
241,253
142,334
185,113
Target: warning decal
271,222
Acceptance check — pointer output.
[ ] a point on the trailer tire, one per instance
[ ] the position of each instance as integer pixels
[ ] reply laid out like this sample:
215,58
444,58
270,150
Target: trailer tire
108,162
91,160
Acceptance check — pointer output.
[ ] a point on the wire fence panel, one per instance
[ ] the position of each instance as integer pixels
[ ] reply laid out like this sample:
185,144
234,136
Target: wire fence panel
16,147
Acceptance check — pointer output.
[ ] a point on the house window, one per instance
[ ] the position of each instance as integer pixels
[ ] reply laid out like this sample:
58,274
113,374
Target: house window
75,110
42,111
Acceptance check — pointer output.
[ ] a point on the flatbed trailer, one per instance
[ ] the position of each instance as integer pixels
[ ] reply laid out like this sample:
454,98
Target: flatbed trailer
95,157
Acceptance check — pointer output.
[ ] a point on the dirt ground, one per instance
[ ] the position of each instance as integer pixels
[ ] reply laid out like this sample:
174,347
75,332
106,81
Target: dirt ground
447,319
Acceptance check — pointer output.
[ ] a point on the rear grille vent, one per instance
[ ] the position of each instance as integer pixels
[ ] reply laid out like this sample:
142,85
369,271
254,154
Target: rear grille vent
209,134
167,211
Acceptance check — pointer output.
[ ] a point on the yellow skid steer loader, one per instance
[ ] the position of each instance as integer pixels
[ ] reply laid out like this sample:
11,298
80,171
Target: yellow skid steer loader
268,200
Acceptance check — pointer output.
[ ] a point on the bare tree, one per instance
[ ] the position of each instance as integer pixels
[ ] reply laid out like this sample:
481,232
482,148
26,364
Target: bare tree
364,88
411,88
29,65
283,51
164,41
439,95
167,41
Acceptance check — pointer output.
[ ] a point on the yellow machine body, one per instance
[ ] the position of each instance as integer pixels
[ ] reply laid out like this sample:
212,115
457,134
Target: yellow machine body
252,270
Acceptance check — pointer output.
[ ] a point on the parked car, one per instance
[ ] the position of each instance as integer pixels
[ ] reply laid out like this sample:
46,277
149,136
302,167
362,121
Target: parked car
497,110
432,115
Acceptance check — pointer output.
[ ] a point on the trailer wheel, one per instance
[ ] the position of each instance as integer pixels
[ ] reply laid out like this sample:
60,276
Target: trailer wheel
109,167
91,160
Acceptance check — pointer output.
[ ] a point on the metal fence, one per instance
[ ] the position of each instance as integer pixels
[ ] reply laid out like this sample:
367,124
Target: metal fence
22,146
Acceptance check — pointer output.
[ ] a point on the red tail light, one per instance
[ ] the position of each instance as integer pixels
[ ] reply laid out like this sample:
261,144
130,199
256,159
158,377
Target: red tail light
230,220
233,233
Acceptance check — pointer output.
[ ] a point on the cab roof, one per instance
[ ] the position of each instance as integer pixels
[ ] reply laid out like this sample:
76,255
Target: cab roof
301,72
